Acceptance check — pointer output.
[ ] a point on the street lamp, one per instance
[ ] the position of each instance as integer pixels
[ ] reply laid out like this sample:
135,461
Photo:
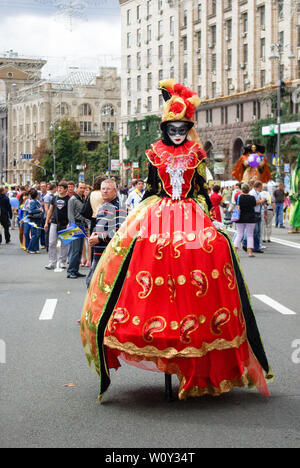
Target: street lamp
277,56
53,129
276,51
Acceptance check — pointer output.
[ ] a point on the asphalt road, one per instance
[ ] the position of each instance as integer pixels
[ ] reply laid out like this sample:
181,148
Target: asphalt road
48,394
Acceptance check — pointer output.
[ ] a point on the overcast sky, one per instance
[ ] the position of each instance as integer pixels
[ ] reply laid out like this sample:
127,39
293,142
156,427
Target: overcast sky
87,38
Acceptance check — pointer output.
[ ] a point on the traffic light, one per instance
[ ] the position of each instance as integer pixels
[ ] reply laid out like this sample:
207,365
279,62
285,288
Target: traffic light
282,88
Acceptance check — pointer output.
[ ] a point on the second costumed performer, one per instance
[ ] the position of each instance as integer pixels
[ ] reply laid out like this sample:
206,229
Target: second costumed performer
168,294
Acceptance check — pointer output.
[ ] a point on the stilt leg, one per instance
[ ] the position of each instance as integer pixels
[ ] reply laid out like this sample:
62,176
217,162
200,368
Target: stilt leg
168,388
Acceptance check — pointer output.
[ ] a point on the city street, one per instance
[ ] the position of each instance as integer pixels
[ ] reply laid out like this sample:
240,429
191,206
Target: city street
48,394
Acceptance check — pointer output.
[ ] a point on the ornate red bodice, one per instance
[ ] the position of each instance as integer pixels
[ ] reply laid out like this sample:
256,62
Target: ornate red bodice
176,166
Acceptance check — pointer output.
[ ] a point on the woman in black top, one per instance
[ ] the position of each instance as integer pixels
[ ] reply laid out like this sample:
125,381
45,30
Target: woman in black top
247,219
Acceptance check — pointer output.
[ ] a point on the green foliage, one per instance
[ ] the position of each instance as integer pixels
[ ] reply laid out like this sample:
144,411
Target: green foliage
289,143
70,152
142,133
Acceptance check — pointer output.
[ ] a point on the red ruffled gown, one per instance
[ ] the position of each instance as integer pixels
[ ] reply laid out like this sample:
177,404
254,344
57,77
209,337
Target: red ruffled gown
168,293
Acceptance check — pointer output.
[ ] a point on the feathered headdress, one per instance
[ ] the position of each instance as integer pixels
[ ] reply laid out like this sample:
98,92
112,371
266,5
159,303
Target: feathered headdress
181,104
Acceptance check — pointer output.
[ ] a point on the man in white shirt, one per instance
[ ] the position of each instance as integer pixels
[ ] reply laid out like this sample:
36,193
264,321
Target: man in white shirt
136,195
256,193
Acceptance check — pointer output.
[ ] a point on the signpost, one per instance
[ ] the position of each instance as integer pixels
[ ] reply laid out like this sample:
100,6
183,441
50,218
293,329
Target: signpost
27,156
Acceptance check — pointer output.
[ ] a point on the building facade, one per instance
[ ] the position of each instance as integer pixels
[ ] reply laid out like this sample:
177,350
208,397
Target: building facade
93,102
15,73
219,48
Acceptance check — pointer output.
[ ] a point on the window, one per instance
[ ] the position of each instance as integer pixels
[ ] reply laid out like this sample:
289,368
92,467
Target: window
85,127
149,6
172,72
214,89
138,59
138,12
128,62
160,29
172,25
209,115
172,49
199,66
128,107
185,71
199,12
245,22
149,103
185,18
263,48
298,36
138,37
160,52
245,53
214,7
263,16
229,58
184,40
139,83
280,8
214,63
139,106
128,17
149,33
149,80
281,38
262,78
199,39
128,40
229,28
213,31
129,86
149,57
85,109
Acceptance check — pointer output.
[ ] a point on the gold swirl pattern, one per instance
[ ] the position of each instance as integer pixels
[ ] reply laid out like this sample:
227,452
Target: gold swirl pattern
153,325
162,242
206,237
145,280
104,287
172,288
219,319
229,274
199,279
188,325
120,315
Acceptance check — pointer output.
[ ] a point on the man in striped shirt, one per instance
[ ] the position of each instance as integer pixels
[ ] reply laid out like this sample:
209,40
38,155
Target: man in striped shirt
109,218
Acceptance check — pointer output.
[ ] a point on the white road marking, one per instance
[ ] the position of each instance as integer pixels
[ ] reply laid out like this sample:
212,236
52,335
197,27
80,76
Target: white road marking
274,304
48,309
287,243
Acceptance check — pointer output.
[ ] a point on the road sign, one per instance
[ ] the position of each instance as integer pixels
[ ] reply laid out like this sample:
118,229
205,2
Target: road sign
27,156
115,165
271,130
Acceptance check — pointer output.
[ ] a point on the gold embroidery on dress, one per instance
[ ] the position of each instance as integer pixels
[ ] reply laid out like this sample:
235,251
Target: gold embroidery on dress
229,274
120,315
219,319
104,287
145,280
199,279
153,325
148,352
206,237
187,326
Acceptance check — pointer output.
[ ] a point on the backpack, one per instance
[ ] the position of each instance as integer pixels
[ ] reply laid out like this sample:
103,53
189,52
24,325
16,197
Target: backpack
87,211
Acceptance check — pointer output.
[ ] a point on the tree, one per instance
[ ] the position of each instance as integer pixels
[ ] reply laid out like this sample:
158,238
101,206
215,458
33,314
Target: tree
68,150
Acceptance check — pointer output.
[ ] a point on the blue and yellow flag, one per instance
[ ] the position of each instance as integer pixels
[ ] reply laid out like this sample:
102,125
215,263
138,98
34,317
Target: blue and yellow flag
26,220
73,232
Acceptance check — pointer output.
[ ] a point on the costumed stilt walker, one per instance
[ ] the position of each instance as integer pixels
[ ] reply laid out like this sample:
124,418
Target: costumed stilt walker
168,294
253,164
295,198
